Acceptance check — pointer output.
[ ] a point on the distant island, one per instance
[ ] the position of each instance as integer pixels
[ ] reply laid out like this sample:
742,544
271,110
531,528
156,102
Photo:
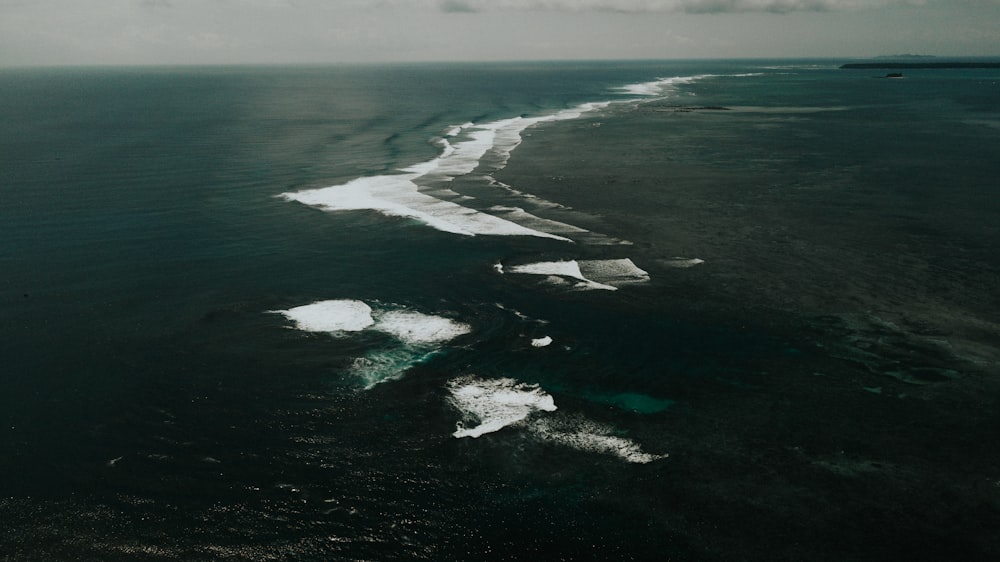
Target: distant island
901,65
905,56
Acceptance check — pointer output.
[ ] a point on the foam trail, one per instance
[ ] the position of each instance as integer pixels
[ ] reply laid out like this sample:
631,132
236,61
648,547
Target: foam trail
495,404
388,364
589,436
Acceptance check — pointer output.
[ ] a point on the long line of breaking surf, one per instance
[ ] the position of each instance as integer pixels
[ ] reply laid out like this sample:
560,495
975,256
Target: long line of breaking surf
408,192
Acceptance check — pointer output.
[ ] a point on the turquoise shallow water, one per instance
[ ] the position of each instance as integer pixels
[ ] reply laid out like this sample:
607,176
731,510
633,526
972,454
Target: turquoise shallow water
752,251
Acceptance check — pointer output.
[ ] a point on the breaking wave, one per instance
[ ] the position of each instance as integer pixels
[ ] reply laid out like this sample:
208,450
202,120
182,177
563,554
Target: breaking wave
416,191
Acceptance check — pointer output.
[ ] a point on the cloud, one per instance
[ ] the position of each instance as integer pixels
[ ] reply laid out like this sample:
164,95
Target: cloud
684,6
458,6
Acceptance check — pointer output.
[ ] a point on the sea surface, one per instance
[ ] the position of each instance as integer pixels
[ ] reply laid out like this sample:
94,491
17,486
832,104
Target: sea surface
677,310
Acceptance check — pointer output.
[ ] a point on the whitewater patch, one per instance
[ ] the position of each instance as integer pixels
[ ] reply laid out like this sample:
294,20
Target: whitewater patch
543,341
606,275
398,195
557,273
331,316
416,336
418,328
616,272
660,86
489,405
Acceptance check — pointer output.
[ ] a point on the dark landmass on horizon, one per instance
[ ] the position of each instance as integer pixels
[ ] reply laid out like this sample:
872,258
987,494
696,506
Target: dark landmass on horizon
931,65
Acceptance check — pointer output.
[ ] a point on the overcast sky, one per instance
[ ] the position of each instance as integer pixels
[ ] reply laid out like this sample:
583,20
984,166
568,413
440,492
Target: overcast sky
34,32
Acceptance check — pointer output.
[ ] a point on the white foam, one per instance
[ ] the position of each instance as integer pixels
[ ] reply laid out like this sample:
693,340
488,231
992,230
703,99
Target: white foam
544,341
683,263
454,131
566,268
642,88
346,315
330,316
585,435
524,218
507,132
615,272
560,270
589,274
534,199
495,404
397,195
658,87
520,315
418,328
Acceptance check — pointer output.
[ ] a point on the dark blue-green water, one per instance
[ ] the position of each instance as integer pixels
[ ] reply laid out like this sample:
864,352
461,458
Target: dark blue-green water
584,311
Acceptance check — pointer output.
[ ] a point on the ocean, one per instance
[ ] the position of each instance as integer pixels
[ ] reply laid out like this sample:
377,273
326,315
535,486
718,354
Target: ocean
647,310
